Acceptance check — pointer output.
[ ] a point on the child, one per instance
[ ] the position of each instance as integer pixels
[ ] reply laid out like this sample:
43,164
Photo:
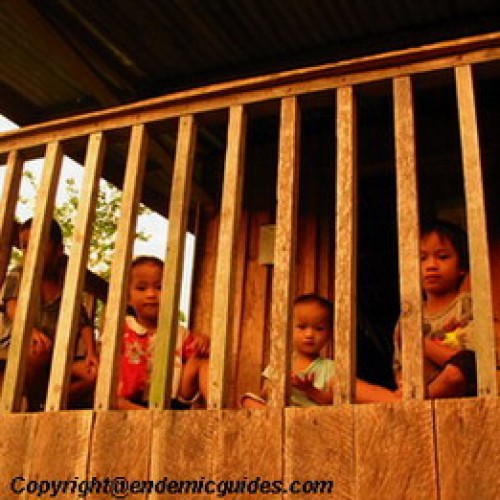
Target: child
138,343
449,364
312,374
47,313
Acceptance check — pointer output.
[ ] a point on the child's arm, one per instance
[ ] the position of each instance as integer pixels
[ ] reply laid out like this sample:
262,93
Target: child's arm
437,352
40,343
371,393
91,359
125,404
250,400
450,382
305,384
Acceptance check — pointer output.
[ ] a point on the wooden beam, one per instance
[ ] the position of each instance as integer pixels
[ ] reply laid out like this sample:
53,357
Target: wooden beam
112,334
69,316
8,203
166,336
345,249
29,291
284,253
484,335
443,55
410,322
222,317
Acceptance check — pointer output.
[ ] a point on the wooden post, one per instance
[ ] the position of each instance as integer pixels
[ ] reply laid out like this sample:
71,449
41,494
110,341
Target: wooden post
284,253
484,336
29,291
345,249
408,238
222,317
118,287
166,336
7,208
69,316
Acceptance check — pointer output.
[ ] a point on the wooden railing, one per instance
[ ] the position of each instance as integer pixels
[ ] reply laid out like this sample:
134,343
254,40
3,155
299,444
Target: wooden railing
339,78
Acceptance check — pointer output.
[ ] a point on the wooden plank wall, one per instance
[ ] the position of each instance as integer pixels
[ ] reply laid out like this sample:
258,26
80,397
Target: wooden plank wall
447,449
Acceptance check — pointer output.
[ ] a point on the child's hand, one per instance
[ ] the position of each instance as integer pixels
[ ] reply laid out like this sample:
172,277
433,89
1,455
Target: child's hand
303,383
199,345
91,363
40,343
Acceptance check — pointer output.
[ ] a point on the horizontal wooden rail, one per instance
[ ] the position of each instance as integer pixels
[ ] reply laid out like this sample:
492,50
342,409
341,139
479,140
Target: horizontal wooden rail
433,57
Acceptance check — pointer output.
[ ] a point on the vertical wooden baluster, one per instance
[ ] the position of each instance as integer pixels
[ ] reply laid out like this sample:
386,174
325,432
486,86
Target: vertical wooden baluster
484,336
8,203
345,249
284,252
166,337
69,316
118,286
29,292
222,317
408,238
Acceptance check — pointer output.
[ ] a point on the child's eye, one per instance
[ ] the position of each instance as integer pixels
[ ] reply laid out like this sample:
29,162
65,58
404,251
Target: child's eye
443,256
300,326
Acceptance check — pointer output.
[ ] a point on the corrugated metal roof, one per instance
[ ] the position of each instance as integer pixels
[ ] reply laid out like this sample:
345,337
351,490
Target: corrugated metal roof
59,57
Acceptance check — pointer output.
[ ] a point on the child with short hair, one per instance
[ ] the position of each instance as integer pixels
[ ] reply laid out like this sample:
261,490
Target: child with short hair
449,364
138,343
312,375
47,308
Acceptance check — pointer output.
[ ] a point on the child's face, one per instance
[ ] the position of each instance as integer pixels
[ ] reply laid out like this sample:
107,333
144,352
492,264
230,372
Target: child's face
439,264
144,292
51,252
311,328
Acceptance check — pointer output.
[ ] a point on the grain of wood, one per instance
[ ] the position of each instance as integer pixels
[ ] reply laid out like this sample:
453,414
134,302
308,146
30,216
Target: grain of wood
8,203
121,447
29,292
319,446
408,241
482,308
168,324
58,448
184,447
284,252
345,249
249,446
395,455
14,441
468,448
384,66
69,317
112,334
222,317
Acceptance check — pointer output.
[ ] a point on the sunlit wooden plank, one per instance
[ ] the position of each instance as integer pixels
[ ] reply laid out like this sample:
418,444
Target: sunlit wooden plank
118,287
166,336
284,253
8,202
77,265
345,249
29,292
408,240
222,317
484,335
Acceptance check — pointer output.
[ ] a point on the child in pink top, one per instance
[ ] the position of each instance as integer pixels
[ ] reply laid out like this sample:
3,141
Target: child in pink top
138,343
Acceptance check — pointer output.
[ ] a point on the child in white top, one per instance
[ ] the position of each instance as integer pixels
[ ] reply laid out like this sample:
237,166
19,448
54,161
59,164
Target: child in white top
312,374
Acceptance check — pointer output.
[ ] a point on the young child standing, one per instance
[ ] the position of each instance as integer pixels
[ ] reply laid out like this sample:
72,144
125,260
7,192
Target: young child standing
312,375
138,343
47,306
449,364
